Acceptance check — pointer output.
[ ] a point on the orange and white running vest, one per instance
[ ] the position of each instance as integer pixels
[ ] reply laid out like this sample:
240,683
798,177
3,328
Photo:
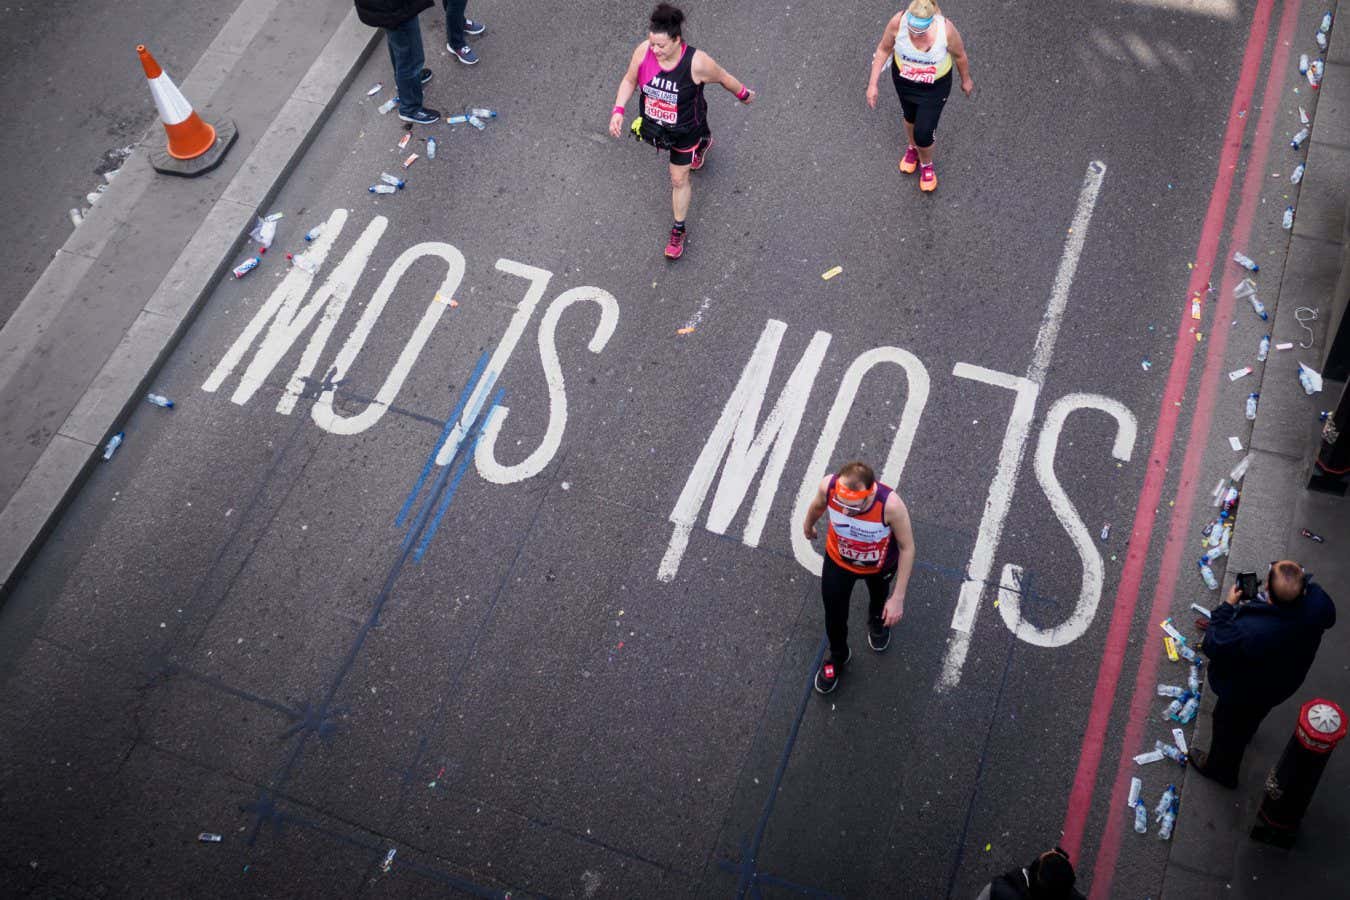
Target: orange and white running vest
923,66
860,543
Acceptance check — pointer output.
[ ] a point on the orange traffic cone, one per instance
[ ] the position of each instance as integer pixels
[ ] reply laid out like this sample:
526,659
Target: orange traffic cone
195,146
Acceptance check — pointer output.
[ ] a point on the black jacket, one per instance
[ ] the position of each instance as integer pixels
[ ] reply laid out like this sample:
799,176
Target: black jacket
389,13
1260,652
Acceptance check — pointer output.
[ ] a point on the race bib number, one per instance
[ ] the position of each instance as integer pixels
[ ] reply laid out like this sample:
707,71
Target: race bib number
921,74
658,110
859,553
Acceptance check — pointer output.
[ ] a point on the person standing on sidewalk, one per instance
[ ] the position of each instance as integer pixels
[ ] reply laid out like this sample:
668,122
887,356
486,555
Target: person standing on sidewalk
920,47
398,18
456,27
1049,876
869,539
671,76
1260,652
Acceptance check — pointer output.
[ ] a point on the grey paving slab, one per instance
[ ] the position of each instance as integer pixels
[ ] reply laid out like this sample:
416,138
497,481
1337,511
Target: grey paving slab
1323,195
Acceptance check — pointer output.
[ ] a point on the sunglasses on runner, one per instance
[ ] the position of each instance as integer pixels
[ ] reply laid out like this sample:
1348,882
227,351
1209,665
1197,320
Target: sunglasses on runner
853,500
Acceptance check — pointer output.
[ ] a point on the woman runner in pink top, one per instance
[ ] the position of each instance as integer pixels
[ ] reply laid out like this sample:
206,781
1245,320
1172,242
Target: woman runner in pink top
671,74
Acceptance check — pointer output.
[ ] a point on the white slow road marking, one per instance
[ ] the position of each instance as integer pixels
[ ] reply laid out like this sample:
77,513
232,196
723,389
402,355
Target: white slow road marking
744,448
917,381
1001,488
1090,592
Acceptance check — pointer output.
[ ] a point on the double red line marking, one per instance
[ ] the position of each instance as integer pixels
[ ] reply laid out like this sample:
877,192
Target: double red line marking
1127,594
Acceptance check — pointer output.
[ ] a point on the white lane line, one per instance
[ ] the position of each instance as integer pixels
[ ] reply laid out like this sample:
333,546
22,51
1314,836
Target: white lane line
1014,440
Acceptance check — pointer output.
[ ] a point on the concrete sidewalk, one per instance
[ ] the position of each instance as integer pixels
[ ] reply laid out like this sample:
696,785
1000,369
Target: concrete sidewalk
1212,853
85,343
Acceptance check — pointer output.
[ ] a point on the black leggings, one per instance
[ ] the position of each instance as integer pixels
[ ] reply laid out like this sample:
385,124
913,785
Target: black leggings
922,104
836,587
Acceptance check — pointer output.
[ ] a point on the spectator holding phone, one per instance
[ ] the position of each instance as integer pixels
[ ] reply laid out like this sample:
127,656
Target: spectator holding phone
1260,649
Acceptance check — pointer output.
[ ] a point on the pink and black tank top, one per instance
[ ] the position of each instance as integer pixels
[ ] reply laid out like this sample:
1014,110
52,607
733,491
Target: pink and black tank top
671,98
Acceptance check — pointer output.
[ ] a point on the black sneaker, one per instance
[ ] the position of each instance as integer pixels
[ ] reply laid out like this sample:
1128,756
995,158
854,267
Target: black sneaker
472,27
425,75
827,677
878,636
424,116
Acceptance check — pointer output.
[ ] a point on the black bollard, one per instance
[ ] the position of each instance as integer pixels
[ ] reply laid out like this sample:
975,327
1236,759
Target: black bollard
1290,786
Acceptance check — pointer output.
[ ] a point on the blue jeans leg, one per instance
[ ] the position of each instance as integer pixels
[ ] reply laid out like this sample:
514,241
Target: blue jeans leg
454,23
405,52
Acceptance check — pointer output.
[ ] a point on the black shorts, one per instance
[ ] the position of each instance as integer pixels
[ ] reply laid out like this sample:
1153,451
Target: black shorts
922,103
681,144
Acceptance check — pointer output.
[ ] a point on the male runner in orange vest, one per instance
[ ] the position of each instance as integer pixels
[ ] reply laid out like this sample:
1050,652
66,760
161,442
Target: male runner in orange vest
869,538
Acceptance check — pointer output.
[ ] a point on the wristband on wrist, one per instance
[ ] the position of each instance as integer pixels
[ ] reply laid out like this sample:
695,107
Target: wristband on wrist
618,110
744,92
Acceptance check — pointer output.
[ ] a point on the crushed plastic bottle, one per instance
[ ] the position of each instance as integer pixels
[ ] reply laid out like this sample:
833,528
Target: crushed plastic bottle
264,231
1321,41
382,189
1315,71
1106,532
1207,574
1303,64
387,105
1172,690
1140,817
1171,753
1174,708
1246,262
1310,379
431,148
1187,714
1252,398
313,232
392,179
1168,821
1324,26
303,262
113,443
1297,175
1193,677
477,123
246,266
1213,555
1288,221
160,400
1136,788
1263,349
1299,138
481,113
1179,738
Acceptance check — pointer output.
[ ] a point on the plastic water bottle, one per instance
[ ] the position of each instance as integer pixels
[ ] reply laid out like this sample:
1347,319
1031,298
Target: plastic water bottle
1106,532
1297,175
1207,574
389,104
382,189
1321,41
1259,308
1193,678
1171,753
1251,406
477,123
113,443
314,232
1263,349
481,113
1174,708
1246,262
431,148
392,179
1140,817
1288,221
1172,690
1213,555
1188,653
1315,71
1136,788
303,263
456,120
1325,25
1300,137
1309,386
1168,822
246,266
1188,711
1303,64
1230,502
160,400
1168,797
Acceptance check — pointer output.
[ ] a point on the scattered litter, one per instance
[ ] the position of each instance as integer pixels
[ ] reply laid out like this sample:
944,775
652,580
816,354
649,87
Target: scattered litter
382,189
1170,752
830,273
1106,532
1145,365
457,120
1172,690
76,217
1240,469
1288,221
208,837
1312,536
392,180
379,86
265,230
1263,348
1303,315
303,262
388,860
160,400
431,148
412,158
1239,373
1247,288
1219,490
1315,70
1179,738
246,266
314,232
477,123
1321,41
403,141
1151,756
480,112
1310,379
1235,442
1303,64
1297,175
1324,26
1200,610
1287,345
388,105
1207,575
1299,138
1170,644
1166,812
1250,410
1303,116
688,329
1246,262
113,443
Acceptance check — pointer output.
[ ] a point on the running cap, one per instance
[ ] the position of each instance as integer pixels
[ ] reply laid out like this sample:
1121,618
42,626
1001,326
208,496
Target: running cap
920,15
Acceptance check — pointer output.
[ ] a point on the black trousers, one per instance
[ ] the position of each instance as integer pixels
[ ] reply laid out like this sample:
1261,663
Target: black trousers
1235,724
836,587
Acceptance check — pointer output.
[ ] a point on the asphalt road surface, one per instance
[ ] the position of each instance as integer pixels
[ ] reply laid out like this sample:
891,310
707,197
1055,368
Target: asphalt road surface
75,99
575,660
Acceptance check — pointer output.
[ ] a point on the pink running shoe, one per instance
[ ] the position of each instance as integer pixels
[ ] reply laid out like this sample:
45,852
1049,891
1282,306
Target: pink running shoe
675,247
701,154
927,178
910,161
